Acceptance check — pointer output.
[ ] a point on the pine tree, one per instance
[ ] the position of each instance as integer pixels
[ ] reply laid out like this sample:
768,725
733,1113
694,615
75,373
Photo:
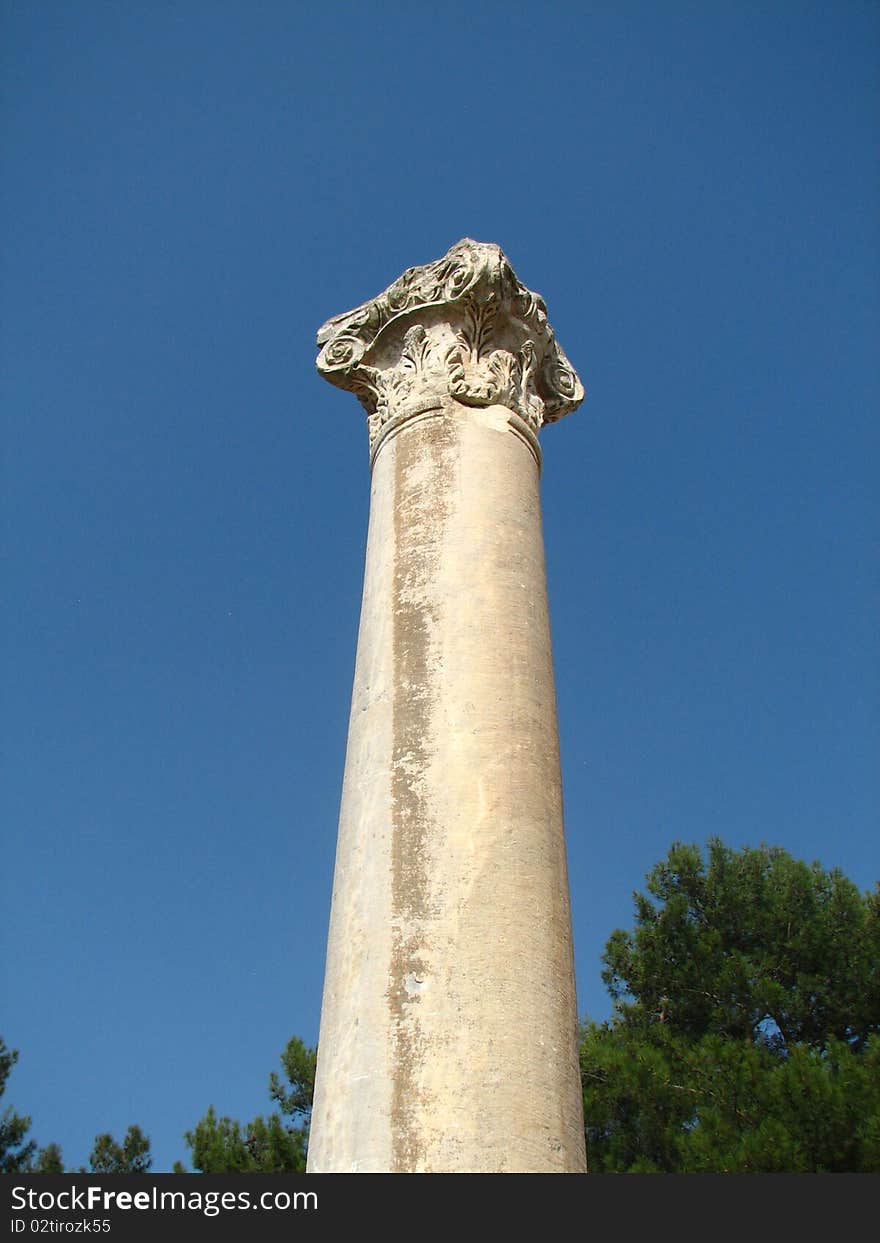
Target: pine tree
746,1025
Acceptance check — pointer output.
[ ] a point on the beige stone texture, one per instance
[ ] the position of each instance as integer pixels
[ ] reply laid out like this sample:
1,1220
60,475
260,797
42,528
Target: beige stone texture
448,1037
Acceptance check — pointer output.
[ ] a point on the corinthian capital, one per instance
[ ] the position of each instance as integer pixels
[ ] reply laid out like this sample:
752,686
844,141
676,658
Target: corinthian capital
462,327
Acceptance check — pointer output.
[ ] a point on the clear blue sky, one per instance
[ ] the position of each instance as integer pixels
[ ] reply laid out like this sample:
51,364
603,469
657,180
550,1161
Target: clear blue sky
190,189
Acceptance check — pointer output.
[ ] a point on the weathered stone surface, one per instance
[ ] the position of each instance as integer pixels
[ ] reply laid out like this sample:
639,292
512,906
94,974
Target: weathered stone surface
462,327
448,1034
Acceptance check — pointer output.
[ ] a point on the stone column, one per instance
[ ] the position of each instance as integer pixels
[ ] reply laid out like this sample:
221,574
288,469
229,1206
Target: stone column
449,1023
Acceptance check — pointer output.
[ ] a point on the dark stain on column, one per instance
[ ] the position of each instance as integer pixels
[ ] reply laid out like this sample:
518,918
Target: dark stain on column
424,477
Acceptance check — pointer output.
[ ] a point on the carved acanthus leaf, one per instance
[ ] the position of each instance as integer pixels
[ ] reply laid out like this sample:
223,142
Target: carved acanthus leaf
464,327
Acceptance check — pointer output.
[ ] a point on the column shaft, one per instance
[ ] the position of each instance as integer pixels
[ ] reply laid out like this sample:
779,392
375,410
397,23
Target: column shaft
448,1029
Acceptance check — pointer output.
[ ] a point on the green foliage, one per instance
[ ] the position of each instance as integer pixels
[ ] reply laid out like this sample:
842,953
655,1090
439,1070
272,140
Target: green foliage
751,937
16,1153
48,1161
746,1032
268,1145
298,1063
21,1156
132,1156
263,1146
